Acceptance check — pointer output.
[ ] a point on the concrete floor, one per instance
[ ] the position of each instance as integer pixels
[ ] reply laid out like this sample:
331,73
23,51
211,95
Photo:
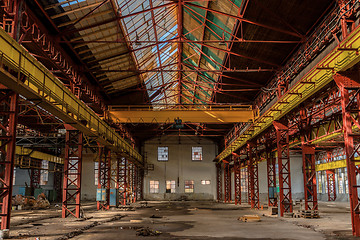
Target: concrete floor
181,220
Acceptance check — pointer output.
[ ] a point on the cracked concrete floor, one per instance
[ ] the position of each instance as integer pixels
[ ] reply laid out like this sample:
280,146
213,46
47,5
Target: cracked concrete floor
181,220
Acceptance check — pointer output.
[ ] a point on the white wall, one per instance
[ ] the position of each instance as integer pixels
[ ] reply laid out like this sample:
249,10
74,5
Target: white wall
22,178
180,167
88,187
297,179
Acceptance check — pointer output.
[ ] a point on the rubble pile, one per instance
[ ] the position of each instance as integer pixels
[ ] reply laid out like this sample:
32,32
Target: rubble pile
147,232
30,203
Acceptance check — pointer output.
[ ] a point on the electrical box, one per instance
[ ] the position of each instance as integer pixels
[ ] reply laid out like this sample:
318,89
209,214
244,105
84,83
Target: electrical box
100,194
114,197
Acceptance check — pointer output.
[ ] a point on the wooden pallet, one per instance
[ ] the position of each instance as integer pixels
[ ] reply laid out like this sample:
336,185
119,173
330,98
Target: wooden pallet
309,213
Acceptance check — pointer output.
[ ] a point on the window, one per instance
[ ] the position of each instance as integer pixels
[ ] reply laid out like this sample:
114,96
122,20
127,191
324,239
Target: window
244,180
189,186
170,186
196,153
154,186
163,154
96,168
44,178
14,176
205,182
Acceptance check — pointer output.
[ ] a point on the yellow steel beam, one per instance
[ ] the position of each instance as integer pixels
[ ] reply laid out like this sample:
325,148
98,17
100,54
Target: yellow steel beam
310,83
223,114
44,89
22,151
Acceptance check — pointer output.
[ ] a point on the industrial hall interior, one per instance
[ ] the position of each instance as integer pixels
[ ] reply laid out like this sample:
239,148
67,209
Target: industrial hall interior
180,119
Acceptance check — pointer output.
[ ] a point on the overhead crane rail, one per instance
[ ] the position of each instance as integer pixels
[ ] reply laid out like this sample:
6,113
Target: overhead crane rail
320,75
23,74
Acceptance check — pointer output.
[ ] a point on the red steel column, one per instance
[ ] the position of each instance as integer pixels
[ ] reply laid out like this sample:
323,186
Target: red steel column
219,182
122,181
308,158
309,173
129,182
8,122
104,177
282,140
134,182
350,112
227,182
9,108
34,179
271,175
140,184
58,181
330,177
72,172
253,177
248,184
244,180
237,181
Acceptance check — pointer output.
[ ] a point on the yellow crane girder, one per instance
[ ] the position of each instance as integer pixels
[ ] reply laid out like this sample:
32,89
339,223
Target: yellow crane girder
33,81
342,57
220,114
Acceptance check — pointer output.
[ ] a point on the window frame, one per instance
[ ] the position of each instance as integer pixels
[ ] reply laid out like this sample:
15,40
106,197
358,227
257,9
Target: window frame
191,186
155,183
205,182
167,155
96,173
193,154
172,184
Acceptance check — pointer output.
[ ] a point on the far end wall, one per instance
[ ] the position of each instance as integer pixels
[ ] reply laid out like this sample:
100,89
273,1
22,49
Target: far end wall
180,168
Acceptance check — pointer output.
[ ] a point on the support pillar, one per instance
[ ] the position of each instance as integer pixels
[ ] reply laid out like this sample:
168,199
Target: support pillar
248,184
35,174
271,176
244,180
253,177
349,85
9,107
282,141
130,181
140,184
134,183
72,172
122,183
237,181
308,157
227,183
330,177
104,178
219,182
8,122
58,181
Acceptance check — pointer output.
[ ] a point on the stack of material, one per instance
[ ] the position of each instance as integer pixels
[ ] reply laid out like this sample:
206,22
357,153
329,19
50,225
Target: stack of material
30,202
309,213
249,218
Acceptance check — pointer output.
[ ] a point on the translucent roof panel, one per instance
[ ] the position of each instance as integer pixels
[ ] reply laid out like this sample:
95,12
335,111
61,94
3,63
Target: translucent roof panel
152,30
150,34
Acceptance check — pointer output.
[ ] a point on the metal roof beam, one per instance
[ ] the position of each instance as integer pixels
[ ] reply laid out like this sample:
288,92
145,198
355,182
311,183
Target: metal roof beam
242,19
65,33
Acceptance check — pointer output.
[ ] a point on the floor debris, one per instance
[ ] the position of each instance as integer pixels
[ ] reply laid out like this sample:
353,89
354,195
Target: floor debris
147,232
249,218
29,202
